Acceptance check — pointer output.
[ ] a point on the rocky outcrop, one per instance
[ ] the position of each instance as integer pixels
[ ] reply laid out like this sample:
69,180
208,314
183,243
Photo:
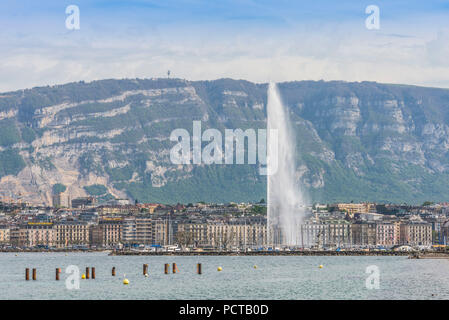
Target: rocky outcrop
355,141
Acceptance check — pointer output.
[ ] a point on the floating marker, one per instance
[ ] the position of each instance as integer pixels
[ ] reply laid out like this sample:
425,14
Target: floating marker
321,266
83,276
125,281
219,269
255,267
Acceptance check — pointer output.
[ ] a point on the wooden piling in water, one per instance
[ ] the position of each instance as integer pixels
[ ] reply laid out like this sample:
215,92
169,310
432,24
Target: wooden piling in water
198,268
34,274
27,274
166,268
174,267
87,273
58,271
145,269
93,272
113,271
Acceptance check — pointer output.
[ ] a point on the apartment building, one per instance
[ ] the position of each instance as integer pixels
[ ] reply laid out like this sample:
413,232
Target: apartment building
192,233
129,230
17,236
4,235
224,235
145,229
34,234
108,232
241,235
364,233
160,231
416,233
69,233
332,233
388,233
353,208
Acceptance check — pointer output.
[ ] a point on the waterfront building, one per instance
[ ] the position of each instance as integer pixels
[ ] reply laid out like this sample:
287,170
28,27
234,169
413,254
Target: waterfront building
437,228
416,233
18,236
218,235
4,235
312,233
129,230
364,233
387,233
256,235
445,233
160,231
223,235
239,234
339,233
144,230
38,234
330,233
69,233
108,232
192,234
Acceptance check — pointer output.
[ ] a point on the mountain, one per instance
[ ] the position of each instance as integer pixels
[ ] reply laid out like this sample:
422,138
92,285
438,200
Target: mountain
360,141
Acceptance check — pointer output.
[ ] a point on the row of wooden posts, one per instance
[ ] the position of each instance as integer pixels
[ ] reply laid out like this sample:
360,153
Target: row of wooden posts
88,274
167,269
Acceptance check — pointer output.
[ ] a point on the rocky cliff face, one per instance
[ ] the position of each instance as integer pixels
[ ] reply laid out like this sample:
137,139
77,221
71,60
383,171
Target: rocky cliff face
355,141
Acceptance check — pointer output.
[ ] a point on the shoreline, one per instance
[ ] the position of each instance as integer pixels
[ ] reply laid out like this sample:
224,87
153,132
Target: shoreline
263,253
56,251
111,252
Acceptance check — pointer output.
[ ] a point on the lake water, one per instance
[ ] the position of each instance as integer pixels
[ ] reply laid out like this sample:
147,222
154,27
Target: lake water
275,277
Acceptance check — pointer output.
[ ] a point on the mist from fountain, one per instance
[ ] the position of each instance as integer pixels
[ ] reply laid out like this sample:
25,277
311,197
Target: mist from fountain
285,199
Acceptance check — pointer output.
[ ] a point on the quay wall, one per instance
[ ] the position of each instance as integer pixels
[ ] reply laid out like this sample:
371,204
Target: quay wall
263,253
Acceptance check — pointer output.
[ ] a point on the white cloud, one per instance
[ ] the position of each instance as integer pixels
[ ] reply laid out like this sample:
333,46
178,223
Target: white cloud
329,54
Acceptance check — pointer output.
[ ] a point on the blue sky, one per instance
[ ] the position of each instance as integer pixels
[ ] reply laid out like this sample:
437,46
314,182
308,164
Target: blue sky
257,40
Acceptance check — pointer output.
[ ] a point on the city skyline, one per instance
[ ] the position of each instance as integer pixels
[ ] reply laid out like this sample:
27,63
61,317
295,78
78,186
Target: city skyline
228,227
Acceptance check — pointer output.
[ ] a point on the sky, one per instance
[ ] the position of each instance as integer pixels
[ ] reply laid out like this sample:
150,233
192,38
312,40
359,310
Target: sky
256,40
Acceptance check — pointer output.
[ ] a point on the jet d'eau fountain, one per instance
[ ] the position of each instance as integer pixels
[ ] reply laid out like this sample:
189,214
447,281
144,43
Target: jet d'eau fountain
285,199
